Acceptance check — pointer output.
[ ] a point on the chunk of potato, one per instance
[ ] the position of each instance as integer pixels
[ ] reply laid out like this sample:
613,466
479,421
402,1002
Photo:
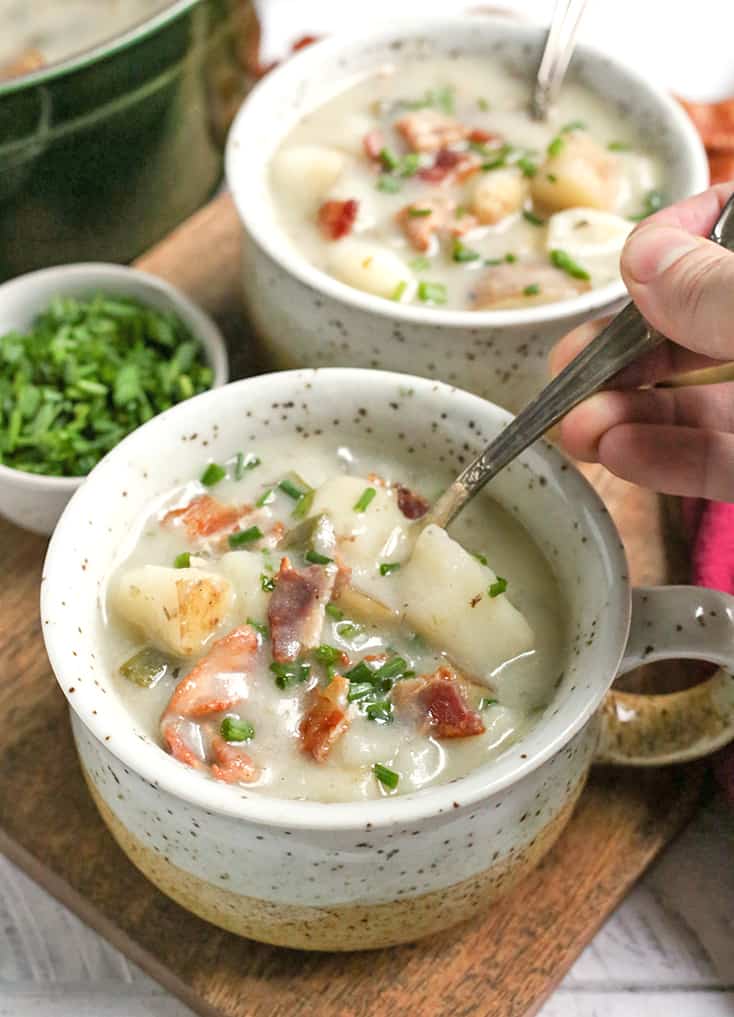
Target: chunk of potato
178,609
445,599
304,174
582,173
243,570
523,284
369,267
498,194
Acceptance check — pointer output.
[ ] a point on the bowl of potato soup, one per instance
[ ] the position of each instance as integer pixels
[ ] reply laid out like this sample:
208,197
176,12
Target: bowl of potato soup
402,210
314,718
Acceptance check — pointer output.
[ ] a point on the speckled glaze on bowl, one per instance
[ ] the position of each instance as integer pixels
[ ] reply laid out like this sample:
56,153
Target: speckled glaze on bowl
366,874
306,318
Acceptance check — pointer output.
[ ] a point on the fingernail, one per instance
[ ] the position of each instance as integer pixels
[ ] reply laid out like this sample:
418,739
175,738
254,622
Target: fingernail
651,250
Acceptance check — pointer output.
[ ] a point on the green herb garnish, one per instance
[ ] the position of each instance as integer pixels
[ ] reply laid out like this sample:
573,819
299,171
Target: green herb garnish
532,290
485,702
287,675
289,488
334,612
326,654
213,474
234,730
387,777
388,184
259,627
618,146
389,159
432,292
497,587
528,167
389,566
573,125
182,560
565,262
243,537
419,213
317,559
409,164
510,257
481,558
359,691
362,503
348,629
393,668
461,253
556,147
420,264
267,583
380,711
483,104
265,498
532,218
399,291
303,505
242,464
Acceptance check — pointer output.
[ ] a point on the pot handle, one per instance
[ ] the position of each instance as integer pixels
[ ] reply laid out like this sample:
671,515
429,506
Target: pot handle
673,622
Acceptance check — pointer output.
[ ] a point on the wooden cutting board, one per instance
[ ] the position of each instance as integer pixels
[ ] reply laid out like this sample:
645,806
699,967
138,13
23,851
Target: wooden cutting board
502,966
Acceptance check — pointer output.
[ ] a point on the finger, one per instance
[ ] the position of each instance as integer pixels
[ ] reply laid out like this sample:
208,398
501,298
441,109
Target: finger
709,407
673,460
658,365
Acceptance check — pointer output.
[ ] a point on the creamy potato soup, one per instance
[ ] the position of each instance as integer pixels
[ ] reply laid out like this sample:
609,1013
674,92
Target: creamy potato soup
306,634
38,32
428,183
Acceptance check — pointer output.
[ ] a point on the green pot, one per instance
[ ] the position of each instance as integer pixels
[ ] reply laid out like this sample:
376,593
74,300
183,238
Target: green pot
103,154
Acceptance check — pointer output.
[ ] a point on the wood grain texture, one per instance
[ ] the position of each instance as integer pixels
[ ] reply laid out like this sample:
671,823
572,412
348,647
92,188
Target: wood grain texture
503,966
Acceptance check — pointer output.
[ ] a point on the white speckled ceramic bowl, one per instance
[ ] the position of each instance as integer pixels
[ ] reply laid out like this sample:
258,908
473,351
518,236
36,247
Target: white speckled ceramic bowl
31,500
366,874
306,318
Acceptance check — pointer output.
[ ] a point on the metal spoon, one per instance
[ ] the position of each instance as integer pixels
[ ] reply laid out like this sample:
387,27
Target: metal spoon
556,56
624,339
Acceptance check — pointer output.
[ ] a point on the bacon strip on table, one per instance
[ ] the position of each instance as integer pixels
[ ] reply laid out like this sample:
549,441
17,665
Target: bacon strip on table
336,219
232,764
451,167
427,130
326,719
204,516
296,609
441,218
412,505
438,703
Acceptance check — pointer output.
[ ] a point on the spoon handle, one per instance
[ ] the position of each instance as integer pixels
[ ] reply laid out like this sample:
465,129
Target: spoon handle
625,338
556,56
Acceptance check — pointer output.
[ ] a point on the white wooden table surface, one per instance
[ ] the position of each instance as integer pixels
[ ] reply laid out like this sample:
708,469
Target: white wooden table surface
669,949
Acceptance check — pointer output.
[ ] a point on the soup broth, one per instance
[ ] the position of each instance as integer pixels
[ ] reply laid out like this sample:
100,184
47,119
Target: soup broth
393,658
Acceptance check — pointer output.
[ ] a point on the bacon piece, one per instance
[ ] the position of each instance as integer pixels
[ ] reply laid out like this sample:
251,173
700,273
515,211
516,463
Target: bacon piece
336,218
232,764
427,130
714,122
438,701
412,505
451,167
373,143
179,748
219,681
481,137
420,229
296,609
204,516
326,718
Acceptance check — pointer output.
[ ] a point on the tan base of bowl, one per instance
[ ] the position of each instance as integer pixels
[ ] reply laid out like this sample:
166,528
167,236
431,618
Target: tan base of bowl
346,927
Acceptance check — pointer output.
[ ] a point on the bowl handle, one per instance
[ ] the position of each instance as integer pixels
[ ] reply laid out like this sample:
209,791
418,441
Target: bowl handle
673,622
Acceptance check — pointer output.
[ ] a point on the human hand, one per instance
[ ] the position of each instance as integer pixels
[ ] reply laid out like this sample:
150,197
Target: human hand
674,440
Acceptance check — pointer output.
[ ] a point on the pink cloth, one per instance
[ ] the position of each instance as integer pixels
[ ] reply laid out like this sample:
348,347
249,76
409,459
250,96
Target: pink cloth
710,526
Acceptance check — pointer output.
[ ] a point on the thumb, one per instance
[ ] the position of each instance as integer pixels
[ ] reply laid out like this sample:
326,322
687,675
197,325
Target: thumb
684,286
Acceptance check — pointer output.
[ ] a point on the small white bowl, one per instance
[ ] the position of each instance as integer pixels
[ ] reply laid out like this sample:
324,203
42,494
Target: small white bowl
307,318
32,500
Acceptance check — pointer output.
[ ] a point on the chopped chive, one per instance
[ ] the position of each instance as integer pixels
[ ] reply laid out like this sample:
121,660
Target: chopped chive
528,167
348,629
510,257
399,291
481,558
532,218
618,146
362,503
388,159
380,711
326,654
420,264
493,261
233,730
418,213
556,147
360,673
360,690
388,184
213,474
409,164
182,560
239,466
485,702
259,627
387,777
532,290
393,668
267,583
432,292
265,498
498,587
287,675
389,566
551,178
461,253
482,104
243,537
563,260
334,612
573,125
303,505
460,211
289,488
317,559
